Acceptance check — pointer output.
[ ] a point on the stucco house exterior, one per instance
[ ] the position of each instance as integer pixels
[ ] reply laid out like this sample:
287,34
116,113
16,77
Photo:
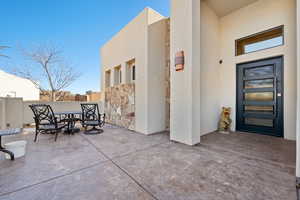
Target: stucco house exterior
239,54
133,74
14,86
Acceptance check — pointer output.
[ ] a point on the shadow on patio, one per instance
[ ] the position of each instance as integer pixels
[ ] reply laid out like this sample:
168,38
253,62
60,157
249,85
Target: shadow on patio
120,164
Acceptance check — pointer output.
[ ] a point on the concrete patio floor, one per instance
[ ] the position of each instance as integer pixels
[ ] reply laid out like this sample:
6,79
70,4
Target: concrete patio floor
120,164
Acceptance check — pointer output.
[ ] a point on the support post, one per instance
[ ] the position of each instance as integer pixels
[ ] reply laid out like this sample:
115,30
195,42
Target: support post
185,84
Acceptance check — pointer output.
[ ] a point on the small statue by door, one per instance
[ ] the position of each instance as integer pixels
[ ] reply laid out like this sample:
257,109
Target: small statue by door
225,121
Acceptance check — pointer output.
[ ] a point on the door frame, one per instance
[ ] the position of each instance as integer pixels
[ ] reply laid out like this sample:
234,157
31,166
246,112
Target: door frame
281,119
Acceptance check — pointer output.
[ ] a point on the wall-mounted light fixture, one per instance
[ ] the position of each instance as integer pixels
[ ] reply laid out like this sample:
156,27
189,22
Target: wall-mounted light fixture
179,61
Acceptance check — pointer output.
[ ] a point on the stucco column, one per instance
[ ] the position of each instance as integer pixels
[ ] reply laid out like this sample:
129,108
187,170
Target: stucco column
123,73
298,93
185,85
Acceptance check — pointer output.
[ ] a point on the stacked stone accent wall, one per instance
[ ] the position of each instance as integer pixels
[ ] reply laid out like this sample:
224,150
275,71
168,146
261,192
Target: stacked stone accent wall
120,105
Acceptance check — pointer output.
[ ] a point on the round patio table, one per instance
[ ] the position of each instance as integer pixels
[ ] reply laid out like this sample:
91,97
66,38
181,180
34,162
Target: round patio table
70,117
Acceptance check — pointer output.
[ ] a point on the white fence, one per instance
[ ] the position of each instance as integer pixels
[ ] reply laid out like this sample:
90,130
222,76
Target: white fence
14,112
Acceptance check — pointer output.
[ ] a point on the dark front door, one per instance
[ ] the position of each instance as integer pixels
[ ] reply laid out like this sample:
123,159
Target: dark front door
260,97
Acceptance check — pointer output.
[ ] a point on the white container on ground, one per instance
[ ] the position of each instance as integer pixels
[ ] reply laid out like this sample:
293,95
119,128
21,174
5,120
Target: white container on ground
17,147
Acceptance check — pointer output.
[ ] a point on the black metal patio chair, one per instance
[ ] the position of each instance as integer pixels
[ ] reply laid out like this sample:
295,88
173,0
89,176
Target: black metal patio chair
45,120
91,117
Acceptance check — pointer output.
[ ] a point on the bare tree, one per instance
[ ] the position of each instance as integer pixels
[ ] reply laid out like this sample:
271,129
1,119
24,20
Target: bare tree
1,48
50,72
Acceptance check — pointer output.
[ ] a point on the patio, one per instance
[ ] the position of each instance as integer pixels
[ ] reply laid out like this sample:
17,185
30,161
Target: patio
120,164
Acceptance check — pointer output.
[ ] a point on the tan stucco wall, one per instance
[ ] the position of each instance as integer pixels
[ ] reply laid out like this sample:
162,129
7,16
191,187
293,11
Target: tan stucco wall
20,87
185,85
298,89
218,82
225,7
128,44
257,17
167,76
11,113
210,70
2,114
14,116
156,73
132,42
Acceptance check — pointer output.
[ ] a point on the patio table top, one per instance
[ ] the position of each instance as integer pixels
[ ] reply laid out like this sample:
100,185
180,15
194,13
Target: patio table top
68,113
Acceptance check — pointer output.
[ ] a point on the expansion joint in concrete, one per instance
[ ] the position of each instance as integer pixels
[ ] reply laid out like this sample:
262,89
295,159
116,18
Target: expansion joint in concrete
123,170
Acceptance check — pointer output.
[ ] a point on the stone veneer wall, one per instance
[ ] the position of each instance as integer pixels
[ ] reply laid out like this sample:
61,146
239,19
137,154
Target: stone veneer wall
120,105
167,78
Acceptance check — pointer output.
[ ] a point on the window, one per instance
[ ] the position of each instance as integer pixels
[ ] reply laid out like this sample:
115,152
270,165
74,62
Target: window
133,72
118,75
264,40
107,79
130,71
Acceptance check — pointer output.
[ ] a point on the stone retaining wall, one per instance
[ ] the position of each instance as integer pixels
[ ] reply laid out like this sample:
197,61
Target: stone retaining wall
120,105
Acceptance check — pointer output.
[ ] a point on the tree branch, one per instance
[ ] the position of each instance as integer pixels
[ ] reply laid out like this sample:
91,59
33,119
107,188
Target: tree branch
51,68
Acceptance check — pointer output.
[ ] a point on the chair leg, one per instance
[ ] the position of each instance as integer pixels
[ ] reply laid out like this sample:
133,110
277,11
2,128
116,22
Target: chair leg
93,131
36,135
56,134
12,156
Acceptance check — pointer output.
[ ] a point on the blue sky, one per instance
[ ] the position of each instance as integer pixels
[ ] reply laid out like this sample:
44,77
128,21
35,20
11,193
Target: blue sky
79,27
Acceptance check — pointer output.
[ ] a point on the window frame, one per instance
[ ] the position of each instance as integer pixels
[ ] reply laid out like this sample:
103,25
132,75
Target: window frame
130,71
118,69
281,27
133,73
108,83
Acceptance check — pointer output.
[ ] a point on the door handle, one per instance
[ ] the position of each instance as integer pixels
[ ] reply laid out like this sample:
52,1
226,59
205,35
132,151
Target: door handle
275,98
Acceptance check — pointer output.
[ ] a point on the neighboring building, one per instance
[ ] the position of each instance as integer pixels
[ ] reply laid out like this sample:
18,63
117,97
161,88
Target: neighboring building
63,96
79,97
93,96
238,54
14,86
46,95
